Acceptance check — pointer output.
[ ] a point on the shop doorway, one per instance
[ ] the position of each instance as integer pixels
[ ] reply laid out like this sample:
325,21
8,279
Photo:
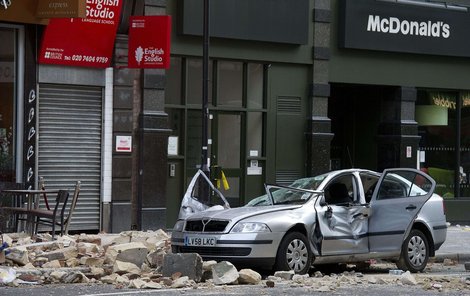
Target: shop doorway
11,64
225,149
70,124
226,152
354,111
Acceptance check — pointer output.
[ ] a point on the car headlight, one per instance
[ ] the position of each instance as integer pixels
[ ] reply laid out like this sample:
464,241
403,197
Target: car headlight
244,227
179,225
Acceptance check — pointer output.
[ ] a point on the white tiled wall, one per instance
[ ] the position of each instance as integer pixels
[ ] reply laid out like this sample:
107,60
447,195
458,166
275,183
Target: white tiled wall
108,137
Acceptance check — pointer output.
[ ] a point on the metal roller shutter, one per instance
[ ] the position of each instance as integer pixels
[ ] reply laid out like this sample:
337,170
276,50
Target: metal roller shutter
69,146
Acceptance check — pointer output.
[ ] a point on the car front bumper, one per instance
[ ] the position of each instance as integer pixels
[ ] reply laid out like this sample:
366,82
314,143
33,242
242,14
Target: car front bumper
255,248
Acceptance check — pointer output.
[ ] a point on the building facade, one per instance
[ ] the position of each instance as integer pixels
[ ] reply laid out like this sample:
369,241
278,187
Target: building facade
375,84
297,88
61,123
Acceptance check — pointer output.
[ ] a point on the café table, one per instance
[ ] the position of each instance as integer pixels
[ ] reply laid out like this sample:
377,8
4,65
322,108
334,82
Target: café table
32,201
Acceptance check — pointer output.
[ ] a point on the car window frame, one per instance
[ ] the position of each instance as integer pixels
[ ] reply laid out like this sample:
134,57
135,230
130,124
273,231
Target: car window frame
355,198
416,172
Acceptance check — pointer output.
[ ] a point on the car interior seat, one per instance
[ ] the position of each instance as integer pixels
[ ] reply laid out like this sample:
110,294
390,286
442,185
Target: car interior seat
338,193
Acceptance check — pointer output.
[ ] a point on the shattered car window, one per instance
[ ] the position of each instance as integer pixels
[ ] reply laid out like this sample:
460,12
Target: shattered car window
288,195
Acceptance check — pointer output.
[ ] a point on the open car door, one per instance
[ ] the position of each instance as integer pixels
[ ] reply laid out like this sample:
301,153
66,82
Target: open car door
398,197
342,218
201,195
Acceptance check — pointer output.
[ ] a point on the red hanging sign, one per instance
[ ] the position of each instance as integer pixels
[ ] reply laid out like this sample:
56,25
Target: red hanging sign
149,41
86,42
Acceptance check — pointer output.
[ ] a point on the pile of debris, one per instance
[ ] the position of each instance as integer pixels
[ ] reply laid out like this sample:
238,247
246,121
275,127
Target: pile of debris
135,259
132,259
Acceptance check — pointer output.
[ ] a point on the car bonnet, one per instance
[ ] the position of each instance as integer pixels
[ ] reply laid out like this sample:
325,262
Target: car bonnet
237,214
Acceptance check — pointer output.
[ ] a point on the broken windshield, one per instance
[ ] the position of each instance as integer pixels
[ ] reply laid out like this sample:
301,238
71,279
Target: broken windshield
298,192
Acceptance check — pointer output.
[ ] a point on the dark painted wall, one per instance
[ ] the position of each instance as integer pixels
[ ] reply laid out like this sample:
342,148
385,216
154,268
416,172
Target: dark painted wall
284,21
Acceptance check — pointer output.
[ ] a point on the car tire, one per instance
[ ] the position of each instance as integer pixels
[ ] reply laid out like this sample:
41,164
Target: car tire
414,252
294,254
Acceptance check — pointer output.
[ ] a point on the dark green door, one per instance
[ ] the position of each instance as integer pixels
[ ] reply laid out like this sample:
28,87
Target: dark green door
287,123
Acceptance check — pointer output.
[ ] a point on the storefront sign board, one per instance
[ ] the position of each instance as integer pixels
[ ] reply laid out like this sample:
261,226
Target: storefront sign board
399,27
85,42
22,11
62,8
149,41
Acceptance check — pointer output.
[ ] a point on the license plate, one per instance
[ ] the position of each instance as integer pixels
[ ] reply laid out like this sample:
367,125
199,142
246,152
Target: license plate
200,241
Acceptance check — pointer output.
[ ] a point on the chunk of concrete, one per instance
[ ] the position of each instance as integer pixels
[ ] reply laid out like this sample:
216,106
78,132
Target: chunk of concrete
18,256
249,276
285,275
61,254
121,267
135,253
189,264
224,273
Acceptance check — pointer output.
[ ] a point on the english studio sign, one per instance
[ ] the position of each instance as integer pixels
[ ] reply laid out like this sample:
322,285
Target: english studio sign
85,42
149,41
389,26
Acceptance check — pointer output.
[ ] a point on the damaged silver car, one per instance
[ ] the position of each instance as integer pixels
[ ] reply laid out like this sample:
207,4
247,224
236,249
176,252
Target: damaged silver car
345,216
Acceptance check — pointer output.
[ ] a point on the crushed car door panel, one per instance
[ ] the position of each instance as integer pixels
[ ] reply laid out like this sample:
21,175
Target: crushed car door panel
342,219
396,202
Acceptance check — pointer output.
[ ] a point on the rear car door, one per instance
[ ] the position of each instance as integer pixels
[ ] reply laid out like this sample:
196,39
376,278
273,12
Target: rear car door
398,197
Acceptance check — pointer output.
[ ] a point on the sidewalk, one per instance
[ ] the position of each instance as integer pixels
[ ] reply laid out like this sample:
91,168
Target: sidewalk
456,246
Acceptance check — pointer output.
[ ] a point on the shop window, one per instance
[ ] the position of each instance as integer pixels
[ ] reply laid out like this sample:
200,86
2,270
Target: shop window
229,128
437,121
194,82
7,104
464,170
254,138
237,116
230,83
173,91
194,139
255,83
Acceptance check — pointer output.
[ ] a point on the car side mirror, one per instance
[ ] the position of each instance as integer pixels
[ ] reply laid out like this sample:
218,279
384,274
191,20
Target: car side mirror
329,213
323,201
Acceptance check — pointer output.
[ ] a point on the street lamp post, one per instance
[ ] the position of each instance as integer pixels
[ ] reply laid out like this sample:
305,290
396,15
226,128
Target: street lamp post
205,89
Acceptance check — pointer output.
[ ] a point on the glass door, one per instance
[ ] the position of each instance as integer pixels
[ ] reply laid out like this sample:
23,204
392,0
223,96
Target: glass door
226,152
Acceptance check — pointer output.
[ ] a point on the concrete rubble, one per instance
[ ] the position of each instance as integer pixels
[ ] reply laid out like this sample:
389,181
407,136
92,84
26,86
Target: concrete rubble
143,260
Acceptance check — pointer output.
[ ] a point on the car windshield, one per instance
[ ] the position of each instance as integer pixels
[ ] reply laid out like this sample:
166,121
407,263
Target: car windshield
299,192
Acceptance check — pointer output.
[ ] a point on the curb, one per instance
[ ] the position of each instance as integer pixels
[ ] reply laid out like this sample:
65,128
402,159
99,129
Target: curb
457,257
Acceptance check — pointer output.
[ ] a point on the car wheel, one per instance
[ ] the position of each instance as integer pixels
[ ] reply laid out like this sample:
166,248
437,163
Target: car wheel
294,254
414,252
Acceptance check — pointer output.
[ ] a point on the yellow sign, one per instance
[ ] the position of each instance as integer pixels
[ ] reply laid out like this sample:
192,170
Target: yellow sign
61,8
449,100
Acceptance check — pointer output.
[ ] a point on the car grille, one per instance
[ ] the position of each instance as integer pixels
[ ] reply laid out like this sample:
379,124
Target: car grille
210,225
215,251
